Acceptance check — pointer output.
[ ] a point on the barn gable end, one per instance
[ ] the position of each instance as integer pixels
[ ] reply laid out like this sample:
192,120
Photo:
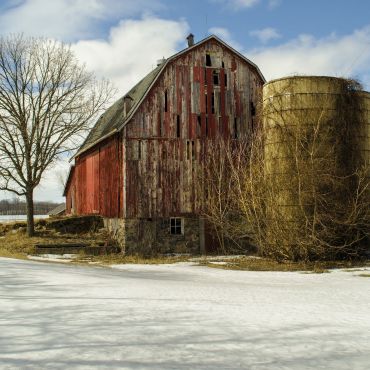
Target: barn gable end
139,165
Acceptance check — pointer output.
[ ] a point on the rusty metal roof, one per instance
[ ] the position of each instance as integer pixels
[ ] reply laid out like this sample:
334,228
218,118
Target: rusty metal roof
113,120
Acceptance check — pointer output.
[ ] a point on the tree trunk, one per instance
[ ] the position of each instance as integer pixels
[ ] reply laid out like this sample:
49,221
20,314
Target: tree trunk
30,220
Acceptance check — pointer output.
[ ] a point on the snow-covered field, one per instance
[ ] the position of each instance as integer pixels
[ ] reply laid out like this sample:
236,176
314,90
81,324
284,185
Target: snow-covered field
12,218
57,316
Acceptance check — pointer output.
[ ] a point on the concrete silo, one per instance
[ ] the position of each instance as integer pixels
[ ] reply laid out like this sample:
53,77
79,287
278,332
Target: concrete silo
316,137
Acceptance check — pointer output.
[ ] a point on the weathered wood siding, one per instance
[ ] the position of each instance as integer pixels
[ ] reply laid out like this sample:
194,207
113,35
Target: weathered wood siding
95,182
165,140
151,170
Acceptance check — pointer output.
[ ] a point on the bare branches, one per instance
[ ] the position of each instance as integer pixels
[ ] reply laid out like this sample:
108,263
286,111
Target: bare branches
47,99
299,188
221,185
317,200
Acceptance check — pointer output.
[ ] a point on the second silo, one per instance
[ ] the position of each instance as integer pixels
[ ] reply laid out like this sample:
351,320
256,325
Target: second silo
316,146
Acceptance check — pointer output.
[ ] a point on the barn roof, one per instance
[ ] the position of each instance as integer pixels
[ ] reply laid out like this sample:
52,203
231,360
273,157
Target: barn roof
114,119
59,210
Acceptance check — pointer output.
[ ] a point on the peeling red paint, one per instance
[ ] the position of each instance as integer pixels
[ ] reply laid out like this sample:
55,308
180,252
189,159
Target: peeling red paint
150,172
94,188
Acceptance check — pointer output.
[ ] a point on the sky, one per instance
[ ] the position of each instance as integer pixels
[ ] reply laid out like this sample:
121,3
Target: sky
122,39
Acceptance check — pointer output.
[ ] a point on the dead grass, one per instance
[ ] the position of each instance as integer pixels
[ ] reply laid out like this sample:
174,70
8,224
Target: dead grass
113,259
263,264
15,243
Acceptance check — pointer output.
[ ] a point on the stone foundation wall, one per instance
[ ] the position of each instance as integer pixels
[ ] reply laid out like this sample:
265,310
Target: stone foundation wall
117,229
152,236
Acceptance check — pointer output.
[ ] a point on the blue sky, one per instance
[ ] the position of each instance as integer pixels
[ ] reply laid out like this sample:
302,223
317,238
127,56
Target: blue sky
123,39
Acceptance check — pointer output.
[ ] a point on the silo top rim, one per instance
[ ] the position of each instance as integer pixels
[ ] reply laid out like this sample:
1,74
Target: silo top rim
328,78
305,77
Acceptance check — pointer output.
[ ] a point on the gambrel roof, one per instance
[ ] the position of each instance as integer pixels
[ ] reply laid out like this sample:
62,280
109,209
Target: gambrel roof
109,122
114,118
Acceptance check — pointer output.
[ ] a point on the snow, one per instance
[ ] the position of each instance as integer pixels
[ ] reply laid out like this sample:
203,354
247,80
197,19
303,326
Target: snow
13,218
53,257
181,316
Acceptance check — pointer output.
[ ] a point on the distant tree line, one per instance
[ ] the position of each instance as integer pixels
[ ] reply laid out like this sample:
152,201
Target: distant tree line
19,207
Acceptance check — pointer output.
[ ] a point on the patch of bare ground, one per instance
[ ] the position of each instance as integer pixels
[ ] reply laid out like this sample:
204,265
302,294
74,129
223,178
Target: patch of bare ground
252,263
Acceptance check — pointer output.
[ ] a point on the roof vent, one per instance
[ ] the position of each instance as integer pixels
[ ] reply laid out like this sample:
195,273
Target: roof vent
160,61
190,39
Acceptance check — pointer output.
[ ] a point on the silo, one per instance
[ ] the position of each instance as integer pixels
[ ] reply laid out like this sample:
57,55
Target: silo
316,136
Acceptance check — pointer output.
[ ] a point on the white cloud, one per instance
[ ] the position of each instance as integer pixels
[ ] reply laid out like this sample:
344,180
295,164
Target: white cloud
243,3
67,19
272,4
132,49
265,34
225,35
347,55
238,4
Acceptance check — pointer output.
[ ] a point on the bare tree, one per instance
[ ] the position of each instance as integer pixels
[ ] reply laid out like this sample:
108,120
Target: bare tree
47,102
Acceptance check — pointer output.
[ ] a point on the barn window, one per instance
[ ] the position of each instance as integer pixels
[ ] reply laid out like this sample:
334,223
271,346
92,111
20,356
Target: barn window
225,80
188,150
213,103
206,126
208,60
193,150
159,127
216,78
176,226
223,64
178,132
165,101
253,109
139,150
235,128
199,126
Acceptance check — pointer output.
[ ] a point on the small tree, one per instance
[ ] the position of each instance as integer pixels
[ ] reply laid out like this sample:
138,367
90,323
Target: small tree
222,190
47,101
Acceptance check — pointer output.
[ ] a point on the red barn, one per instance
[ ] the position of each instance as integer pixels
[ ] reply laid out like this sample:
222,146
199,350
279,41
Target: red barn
138,166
